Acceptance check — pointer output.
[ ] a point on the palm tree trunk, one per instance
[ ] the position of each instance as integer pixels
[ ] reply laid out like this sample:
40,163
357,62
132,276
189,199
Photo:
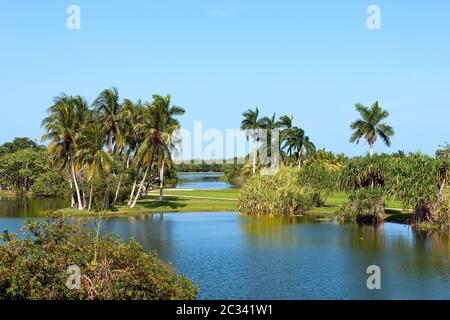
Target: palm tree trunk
161,181
91,193
74,179
371,149
119,185
110,142
132,191
300,156
72,199
116,196
141,185
254,155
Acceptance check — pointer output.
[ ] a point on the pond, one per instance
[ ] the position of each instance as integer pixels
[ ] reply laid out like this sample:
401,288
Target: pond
202,181
234,257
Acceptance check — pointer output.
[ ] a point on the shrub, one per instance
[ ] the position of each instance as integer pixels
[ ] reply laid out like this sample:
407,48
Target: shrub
50,184
419,181
365,205
322,179
279,194
37,266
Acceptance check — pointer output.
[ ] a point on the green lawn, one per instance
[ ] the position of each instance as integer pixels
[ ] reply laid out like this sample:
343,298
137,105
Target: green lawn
339,199
169,204
223,200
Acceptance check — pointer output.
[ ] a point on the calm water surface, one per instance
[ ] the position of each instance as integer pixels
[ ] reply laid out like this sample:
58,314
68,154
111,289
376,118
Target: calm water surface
202,181
233,257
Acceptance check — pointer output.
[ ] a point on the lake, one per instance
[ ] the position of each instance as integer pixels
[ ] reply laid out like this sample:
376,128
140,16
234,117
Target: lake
202,181
234,257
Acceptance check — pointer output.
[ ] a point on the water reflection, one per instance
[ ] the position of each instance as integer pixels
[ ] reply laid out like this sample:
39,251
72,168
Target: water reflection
26,207
234,257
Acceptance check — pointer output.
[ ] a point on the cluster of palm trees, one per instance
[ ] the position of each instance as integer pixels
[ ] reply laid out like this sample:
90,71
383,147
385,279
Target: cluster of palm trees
293,142
110,137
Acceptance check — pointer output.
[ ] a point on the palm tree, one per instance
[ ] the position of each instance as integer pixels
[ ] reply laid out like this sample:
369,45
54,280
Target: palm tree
370,127
108,110
157,125
252,125
296,140
66,116
92,155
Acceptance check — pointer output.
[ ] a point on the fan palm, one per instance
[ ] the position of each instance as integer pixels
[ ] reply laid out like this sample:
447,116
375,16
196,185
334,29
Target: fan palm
252,125
370,126
66,116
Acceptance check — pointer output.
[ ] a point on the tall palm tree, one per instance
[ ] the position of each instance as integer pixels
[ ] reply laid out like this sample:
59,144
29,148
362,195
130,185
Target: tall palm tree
252,125
157,125
108,110
92,154
131,116
66,116
370,126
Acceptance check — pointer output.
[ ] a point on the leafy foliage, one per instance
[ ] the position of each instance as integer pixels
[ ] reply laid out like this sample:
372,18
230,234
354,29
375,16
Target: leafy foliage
37,267
280,194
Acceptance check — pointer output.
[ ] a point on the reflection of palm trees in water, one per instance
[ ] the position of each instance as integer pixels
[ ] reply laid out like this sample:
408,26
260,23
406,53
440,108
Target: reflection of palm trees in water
152,231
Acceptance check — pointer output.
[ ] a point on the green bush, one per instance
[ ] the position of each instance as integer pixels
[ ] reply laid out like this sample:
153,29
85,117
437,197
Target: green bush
50,184
279,194
37,267
365,205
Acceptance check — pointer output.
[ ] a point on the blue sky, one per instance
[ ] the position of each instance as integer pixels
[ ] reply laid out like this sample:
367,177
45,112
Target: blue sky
216,58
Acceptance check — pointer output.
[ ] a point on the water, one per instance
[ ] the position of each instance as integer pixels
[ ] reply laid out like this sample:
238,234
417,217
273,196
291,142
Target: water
233,257
24,207
202,181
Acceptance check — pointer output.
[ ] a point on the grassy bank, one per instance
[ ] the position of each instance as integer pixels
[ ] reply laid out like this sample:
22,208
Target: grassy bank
222,200
169,204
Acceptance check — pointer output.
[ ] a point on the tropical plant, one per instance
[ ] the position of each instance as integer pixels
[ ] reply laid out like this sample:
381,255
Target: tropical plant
370,126
253,124
419,181
280,194
66,116
157,125
38,265
296,141
92,155
108,108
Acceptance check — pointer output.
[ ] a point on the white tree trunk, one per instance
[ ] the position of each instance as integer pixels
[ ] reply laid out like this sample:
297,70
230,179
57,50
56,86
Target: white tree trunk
371,150
254,154
141,186
91,193
74,179
132,192
161,181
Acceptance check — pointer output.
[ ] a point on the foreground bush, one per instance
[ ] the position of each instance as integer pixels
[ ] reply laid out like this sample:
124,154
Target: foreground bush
37,267
279,194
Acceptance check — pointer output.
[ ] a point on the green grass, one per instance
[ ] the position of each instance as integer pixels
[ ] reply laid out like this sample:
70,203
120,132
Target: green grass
339,199
222,200
169,204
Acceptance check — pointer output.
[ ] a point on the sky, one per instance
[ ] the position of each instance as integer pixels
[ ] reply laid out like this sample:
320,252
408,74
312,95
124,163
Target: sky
314,60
